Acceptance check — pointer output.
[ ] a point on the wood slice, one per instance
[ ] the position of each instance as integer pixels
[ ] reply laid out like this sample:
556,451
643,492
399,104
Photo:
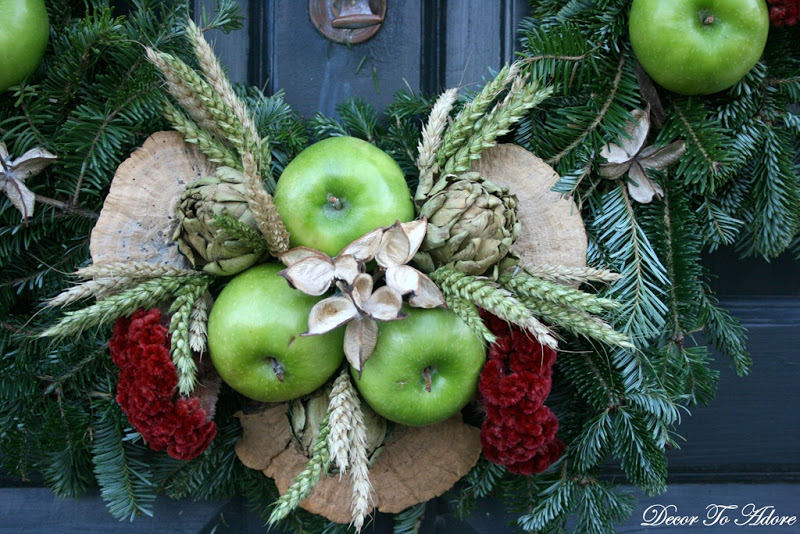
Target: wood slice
138,216
416,463
552,227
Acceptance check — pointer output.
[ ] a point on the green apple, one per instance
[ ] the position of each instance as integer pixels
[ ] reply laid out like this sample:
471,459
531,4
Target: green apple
424,368
339,189
698,47
24,30
254,338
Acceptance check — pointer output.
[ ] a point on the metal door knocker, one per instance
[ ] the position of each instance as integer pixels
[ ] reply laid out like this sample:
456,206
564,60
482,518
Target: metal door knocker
347,21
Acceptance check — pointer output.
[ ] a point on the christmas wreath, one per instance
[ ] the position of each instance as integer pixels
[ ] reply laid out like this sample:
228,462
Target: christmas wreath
504,287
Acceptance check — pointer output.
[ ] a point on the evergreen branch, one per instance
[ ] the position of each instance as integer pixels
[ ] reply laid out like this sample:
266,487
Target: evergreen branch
145,295
488,295
207,143
66,207
124,481
577,322
409,520
180,346
524,285
307,478
711,165
470,315
598,119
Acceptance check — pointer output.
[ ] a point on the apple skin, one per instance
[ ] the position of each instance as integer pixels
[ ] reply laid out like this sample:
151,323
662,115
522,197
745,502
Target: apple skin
24,30
392,381
686,56
367,181
257,317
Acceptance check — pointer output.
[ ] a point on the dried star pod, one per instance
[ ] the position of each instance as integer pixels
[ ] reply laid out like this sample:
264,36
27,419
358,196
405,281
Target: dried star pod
139,217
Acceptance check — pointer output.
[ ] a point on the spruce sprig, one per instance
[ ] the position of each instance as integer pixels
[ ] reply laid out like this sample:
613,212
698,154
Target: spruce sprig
307,478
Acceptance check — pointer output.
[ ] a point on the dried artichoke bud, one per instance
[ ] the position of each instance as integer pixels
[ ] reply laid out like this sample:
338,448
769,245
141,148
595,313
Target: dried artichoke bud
200,238
472,224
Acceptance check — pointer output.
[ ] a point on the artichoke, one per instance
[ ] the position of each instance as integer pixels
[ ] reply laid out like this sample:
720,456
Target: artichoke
472,223
203,237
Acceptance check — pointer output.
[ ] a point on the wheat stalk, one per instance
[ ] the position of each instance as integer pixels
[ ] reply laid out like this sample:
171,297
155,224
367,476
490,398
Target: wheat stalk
263,209
490,296
578,322
180,345
571,275
307,478
207,143
469,314
198,321
524,285
132,269
146,294
431,141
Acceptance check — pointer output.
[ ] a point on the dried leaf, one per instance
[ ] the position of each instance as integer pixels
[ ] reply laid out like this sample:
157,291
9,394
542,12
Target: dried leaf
329,314
385,304
394,248
297,254
364,248
312,275
641,188
360,338
612,171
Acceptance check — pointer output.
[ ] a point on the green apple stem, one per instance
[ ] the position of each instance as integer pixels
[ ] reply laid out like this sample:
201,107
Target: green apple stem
427,374
707,18
335,202
277,368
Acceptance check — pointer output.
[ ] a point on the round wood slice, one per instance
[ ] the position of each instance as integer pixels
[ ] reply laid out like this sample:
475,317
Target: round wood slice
138,216
552,227
416,463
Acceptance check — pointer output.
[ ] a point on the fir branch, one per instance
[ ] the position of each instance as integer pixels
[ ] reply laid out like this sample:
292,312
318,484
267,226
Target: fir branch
66,207
487,294
409,520
206,142
531,287
307,478
125,481
598,119
180,346
145,295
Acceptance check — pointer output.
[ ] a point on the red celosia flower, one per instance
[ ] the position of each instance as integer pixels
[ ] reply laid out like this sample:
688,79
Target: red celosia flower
519,431
784,12
146,389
